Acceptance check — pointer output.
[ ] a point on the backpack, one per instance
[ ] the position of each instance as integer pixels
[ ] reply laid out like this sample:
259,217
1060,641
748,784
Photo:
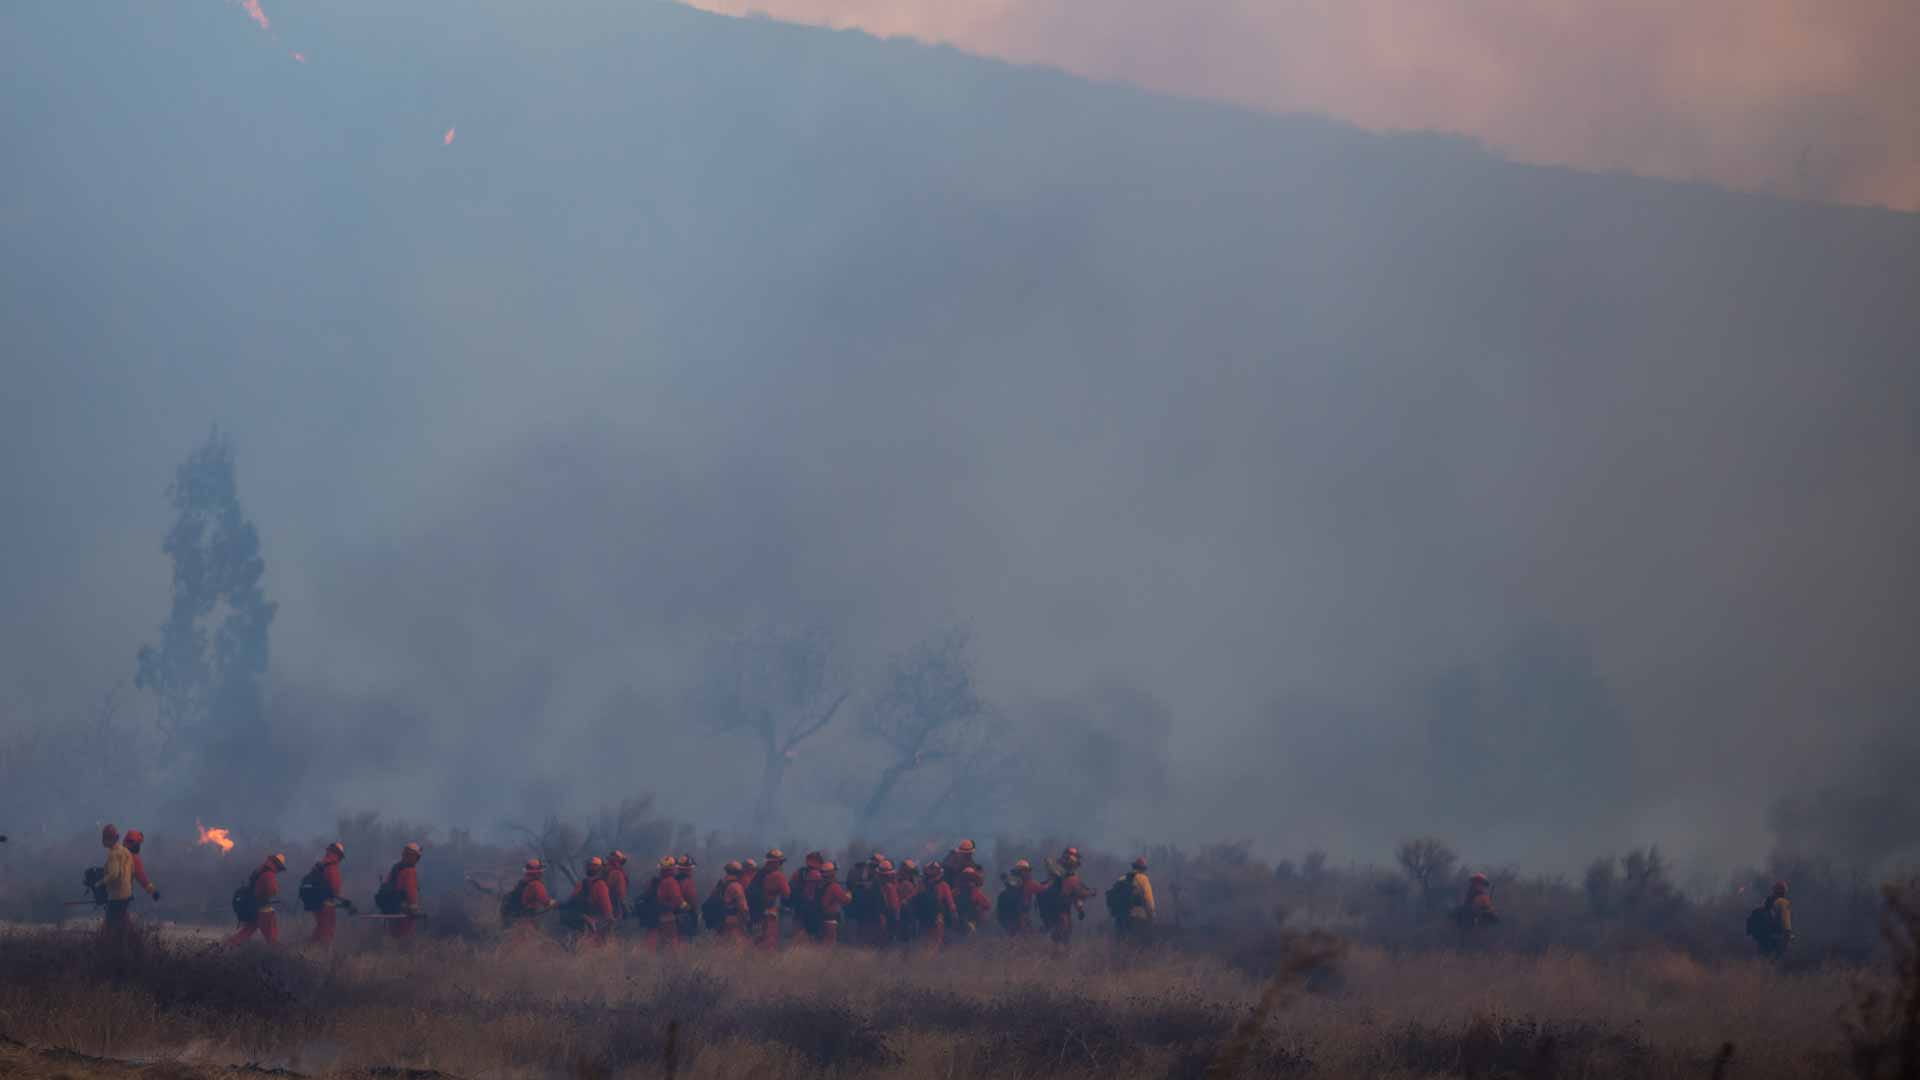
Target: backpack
647,908
1007,905
513,903
388,900
1760,921
714,912
314,892
926,906
94,880
246,907
1120,898
1052,901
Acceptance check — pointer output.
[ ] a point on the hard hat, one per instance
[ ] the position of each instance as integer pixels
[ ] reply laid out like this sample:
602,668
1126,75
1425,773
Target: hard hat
595,864
411,849
133,839
827,867
814,858
933,870
1140,863
749,864
909,865
109,835
278,860
685,861
1478,878
775,855
884,868
1071,853
876,858
733,869
965,845
617,857
1023,865
337,848
1780,889
667,863
536,867
971,873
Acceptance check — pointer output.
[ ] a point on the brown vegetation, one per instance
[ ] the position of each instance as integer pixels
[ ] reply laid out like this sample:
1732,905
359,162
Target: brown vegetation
992,1009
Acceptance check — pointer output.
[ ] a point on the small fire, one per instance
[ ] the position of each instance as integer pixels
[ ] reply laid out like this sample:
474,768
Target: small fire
216,837
447,139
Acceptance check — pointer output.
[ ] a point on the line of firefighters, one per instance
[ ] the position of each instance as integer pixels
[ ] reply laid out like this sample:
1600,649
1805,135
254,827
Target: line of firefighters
943,901
886,903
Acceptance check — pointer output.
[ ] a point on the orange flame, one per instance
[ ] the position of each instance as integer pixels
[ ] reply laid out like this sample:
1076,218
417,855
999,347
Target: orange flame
252,8
447,139
216,837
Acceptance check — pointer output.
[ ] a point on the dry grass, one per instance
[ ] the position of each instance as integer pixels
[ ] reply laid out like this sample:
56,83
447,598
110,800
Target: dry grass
535,1010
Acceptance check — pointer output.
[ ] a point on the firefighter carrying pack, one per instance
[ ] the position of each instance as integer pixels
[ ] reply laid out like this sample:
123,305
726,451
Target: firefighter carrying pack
1052,901
1760,922
713,912
513,904
646,907
95,881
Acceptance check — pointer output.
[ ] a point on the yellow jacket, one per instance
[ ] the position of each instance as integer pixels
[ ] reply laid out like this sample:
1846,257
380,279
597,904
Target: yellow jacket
119,879
1782,911
1142,895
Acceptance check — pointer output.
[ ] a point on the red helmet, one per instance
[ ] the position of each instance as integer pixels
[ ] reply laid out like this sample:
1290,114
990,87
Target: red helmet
734,869
337,849
535,868
1478,879
133,840
1780,889
775,855
965,845
1140,863
617,857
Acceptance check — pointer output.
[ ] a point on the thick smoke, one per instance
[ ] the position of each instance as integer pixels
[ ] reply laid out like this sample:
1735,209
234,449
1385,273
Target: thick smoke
1291,484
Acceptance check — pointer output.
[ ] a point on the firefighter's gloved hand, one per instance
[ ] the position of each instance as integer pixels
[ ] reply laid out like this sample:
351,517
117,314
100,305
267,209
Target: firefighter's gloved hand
413,909
156,895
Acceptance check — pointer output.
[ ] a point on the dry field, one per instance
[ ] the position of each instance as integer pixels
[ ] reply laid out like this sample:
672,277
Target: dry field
192,1009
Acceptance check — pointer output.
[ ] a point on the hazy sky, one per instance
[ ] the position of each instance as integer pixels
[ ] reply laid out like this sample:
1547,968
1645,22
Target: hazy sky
1813,98
1389,469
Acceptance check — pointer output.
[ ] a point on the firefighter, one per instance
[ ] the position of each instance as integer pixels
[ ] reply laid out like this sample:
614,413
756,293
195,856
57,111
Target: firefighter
528,901
666,907
863,884
1015,903
1476,908
907,885
117,883
618,884
805,901
833,901
689,918
769,893
734,903
1772,928
595,902
320,893
970,902
933,907
402,888
957,862
1136,909
138,869
1064,900
263,889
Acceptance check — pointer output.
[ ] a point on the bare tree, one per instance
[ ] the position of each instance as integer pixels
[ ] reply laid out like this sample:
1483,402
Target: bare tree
923,712
1428,862
780,687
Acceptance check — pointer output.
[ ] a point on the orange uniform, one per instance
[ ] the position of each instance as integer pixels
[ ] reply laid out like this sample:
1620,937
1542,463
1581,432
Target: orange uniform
667,901
735,900
773,892
405,880
324,917
833,900
266,893
597,905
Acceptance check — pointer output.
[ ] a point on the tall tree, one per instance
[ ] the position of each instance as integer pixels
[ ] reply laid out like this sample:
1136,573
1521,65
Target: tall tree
780,687
924,711
208,668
